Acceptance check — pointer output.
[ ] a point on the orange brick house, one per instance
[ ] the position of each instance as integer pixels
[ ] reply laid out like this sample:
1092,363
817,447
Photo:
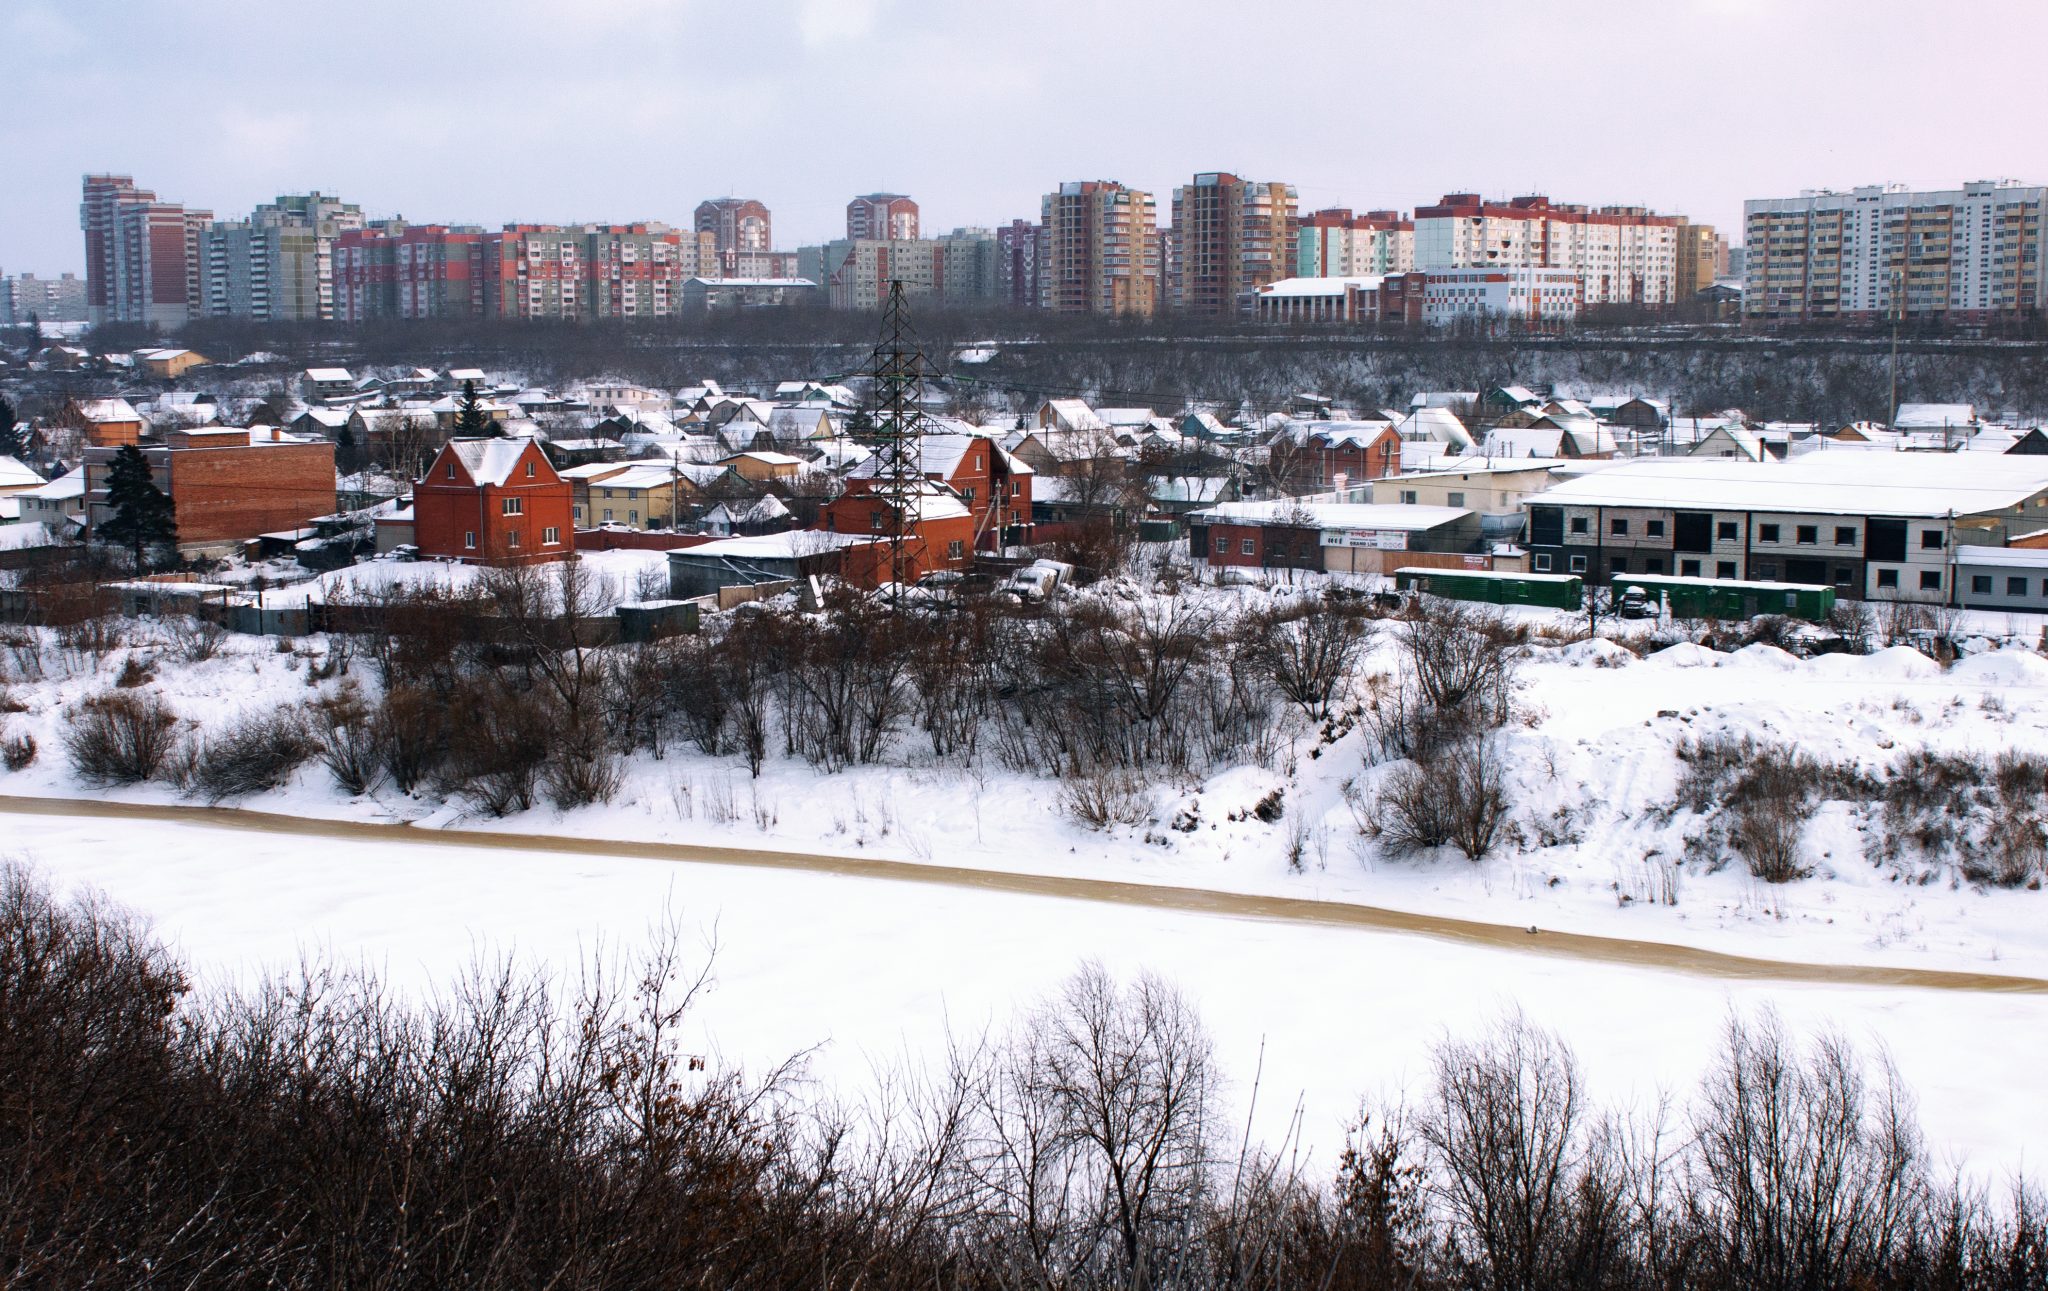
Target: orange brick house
1308,457
225,486
994,486
493,502
938,535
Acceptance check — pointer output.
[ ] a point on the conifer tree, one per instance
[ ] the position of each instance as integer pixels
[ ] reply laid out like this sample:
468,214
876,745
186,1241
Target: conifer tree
471,421
142,514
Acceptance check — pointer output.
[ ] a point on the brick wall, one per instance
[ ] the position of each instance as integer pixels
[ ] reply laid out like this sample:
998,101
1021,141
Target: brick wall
233,493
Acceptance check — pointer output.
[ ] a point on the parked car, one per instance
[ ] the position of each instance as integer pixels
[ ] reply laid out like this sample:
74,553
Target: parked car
1038,581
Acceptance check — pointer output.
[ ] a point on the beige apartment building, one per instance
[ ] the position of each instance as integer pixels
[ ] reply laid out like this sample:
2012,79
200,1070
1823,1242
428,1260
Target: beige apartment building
1702,257
1098,250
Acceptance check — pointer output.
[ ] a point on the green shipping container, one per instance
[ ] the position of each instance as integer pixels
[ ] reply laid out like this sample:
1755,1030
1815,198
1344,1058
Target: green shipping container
1721,598
1553,591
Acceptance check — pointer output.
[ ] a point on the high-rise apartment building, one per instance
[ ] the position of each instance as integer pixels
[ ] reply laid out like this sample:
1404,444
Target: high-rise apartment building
1017,264
1971,254
278,263
1335,243
1231,236
1702,257
888,217
1098,250
1624,255
142,256
736,224
392,269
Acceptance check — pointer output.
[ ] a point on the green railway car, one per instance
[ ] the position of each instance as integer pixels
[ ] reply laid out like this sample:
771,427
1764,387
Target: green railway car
1723,598
1555,591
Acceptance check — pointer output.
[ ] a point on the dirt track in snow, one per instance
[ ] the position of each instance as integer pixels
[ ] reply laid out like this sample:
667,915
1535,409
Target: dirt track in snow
1200,901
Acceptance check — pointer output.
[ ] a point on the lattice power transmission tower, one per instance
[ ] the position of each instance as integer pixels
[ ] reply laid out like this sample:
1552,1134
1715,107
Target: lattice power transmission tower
897,369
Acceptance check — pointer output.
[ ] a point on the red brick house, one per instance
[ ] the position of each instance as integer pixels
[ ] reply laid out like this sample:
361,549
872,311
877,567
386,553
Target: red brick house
493,502
993,485
939,536
1309,456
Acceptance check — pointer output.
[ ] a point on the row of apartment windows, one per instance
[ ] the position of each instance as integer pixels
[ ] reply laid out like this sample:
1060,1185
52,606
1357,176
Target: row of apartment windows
1617,567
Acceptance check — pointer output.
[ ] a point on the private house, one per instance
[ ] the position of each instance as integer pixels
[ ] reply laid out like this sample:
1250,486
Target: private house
493,502
59,502
1872,525
703,569
108,423
993,484
639,495
227,485
1071,415
761,467
322,384
169,365
1310,456
17,478
938,530
1495,488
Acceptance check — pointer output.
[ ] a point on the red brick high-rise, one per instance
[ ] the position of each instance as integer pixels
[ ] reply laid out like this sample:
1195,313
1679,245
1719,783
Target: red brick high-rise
881,217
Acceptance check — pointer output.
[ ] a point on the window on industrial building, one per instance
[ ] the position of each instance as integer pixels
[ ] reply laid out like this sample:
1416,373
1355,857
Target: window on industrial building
1578,524
1930,540
469,540
1456,499
1653,565
1654,528
1887,578
1727,531
1578,564
1930,580
1408,497
1806,534
1246,547
1688,569
2015,587
1980,584
1617,527
1845,535
1767,533
1542,562
1617,564
1724,569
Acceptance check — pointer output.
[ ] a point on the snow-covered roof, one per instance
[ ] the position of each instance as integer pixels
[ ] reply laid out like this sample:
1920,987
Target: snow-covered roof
71,484
104,410
773,546
1334,515
940,455
773,459
489,461
325,375
17,537
1336,433
1884,484
1298,287
1125,416
1935,416
14,475
1522,441
1970,553
637,477
1437,424
1189,488
1074,414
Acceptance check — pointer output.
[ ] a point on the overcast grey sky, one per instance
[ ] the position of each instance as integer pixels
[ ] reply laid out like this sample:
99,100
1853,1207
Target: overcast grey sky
548,110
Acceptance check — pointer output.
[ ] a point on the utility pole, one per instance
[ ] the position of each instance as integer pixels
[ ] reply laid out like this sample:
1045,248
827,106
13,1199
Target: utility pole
897,369
1898,311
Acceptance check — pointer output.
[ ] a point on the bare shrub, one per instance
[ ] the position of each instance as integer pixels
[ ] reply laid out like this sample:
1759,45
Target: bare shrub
119,737
349,740
1101,797
1460,657
1413,810
411,733
18,751
1309,648
96,635
257,751
580,769
498,742
1478,789
194,639
2017,839
136,670
1856,623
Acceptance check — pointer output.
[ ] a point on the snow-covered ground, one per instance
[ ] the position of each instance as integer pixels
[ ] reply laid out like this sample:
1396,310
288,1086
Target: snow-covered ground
876,969
1591,754
873,974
